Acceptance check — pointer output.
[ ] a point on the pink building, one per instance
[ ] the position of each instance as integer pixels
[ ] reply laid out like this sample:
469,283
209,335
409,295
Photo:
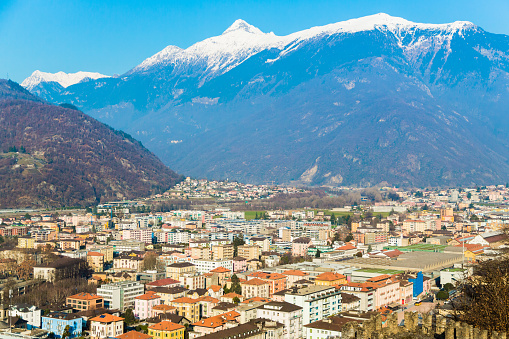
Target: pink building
386,290
144,303
300,247
239,264
140,234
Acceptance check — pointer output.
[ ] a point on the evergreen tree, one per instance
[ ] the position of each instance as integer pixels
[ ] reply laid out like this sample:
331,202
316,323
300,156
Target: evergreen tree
129,317
67,332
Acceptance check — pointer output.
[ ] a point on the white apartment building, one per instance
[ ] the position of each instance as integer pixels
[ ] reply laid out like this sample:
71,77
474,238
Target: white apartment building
30,313
285,313
120,295
317,302
205,266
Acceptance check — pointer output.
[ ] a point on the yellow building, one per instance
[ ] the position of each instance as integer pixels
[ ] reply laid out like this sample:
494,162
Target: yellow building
96,261
26,242
187,307
221,252
166,329
175,270
249,251
330,279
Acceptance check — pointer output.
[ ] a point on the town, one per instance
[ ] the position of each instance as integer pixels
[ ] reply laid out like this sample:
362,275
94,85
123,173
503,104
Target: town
125,270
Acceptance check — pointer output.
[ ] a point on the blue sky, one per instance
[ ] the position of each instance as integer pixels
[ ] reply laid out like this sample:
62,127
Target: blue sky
113,36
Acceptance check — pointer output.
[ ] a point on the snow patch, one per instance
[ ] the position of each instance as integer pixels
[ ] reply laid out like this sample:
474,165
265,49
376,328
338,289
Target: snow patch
64,79
205,100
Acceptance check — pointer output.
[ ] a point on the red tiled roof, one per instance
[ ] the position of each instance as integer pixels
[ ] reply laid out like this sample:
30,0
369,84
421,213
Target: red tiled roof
218,320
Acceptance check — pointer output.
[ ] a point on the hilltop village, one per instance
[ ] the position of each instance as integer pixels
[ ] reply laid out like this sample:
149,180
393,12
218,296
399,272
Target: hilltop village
122,270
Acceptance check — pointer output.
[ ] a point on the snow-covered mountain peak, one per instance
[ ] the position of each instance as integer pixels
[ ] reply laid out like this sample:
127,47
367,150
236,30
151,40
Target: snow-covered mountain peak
241,25
167,53
64,79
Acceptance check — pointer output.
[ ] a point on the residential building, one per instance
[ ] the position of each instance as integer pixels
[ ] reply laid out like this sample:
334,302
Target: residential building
205,266
277,281
30,313
217,323
128,263
187,307
192,280
285,313
364,292
330,279
134,335
263,243
249,251
120,295
239,264
300,246
317,302
221,252
222,273
85,301
106,326
168,294
244,331
201,252
255,288
96,261
166,329
61,268
56,322
327,328
294,275
144,303
140,234
26,242
175,270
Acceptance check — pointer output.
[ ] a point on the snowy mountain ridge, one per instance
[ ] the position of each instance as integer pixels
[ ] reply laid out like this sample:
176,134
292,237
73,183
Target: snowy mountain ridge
241,40
64,79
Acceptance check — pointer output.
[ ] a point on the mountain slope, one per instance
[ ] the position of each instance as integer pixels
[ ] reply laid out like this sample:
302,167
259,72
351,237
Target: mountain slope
363,101
65,158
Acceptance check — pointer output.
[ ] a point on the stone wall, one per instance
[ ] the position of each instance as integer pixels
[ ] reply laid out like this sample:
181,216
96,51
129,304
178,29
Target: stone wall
416,326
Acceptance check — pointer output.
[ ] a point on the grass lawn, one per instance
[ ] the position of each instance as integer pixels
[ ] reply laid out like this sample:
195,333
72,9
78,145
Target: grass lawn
249,215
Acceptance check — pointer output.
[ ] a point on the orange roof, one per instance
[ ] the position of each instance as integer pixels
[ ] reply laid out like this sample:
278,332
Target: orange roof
215,288
231,295
255,282
163,307
166,326
163,282
346,247
218,320
150,295
220,269
85,296
295,272
254,299
184,300
134,335
208,299
268,276
95,254
106,318
330,276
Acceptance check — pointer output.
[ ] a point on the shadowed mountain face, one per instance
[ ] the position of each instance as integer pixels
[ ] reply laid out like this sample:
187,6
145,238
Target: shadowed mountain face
52,156
359,102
